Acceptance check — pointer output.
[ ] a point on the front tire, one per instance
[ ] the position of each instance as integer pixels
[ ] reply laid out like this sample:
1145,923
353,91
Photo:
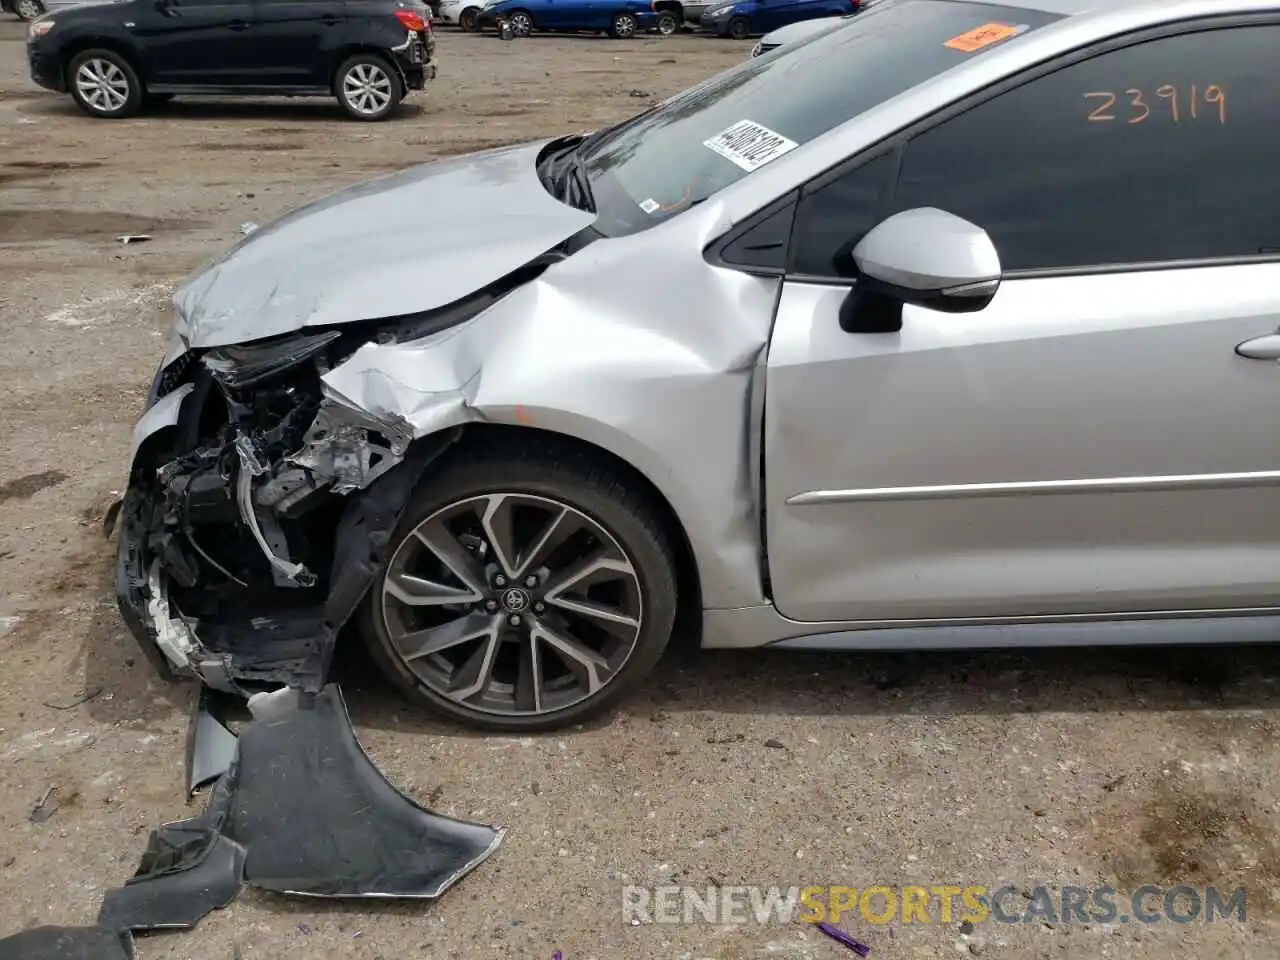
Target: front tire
469,20
739,28
104,84
367,87
28,10
668,23
523,591
624,26
521,23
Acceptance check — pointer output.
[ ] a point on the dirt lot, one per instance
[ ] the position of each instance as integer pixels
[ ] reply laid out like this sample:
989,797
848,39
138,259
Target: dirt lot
1049,768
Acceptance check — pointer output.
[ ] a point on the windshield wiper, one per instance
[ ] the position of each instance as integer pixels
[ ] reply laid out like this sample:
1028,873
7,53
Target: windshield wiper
564,173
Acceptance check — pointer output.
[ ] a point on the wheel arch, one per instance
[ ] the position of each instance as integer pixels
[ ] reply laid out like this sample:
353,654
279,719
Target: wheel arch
537,440
341,54
73,48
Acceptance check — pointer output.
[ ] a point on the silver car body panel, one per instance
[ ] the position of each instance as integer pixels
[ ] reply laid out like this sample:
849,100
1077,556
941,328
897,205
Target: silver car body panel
1019,460
402,244
549,352
884,457
160,415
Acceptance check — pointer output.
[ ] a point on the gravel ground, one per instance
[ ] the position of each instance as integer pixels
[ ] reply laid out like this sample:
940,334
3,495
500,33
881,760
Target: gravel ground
1053,768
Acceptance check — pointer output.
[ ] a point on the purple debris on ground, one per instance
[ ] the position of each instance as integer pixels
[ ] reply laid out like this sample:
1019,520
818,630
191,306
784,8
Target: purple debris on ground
559,955
835,933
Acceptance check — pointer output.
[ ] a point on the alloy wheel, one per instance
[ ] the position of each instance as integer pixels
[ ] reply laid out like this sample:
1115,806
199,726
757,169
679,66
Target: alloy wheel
28,9
512,604
624,25
102,85
367,88
668,24
521,24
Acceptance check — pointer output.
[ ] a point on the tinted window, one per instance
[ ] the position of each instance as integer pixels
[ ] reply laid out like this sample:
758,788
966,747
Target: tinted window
834,217
706,138
1167,150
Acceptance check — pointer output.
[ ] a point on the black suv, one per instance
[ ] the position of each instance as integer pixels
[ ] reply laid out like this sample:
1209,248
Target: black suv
115,58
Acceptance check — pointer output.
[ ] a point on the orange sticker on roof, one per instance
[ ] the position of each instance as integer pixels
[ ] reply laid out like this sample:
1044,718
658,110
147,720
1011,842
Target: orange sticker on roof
983,36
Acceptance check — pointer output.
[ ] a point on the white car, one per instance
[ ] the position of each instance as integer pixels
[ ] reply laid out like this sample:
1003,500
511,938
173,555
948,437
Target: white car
464,13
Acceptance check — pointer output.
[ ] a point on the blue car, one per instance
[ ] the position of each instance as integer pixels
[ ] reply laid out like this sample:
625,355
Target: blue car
747,18
617,18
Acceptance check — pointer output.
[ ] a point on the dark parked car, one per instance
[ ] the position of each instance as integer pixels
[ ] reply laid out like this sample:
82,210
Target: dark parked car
617,18
748,18
115,58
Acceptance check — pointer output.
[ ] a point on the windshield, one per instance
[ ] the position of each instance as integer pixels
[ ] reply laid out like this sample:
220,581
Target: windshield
701,141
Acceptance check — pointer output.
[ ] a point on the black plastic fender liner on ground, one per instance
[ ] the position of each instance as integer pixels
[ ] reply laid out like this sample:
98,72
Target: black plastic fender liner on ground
67,943
300,809
188,870
319,819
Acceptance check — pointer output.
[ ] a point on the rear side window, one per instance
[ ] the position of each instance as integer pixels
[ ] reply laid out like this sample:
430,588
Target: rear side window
1166,150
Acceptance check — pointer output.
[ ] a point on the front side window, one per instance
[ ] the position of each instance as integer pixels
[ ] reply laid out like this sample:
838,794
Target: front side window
1165,150
705,139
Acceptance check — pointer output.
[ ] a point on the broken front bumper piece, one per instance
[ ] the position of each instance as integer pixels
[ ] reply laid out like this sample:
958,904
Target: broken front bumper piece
366,466
301,809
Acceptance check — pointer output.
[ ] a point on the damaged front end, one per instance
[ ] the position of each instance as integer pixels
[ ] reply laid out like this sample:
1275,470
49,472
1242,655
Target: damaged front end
257,511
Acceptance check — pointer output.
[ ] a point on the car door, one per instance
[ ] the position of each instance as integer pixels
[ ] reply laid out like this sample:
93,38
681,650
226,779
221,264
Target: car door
1090,443
769,15
185,43
294,40
809,10
578,14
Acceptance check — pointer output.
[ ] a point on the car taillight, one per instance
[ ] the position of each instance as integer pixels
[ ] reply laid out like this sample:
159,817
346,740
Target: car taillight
411,21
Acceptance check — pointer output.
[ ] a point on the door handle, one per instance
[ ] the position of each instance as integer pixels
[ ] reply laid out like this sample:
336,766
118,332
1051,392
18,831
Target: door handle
238,24
1261,348
329,20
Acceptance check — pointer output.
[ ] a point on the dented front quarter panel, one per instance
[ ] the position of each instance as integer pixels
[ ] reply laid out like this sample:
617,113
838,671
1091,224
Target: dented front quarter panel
658,370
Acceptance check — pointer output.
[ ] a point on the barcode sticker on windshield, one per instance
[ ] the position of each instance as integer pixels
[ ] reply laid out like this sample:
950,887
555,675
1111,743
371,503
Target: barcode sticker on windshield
750,145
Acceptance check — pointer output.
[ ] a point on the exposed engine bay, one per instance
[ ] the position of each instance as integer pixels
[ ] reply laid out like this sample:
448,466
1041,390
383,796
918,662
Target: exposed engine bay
252,528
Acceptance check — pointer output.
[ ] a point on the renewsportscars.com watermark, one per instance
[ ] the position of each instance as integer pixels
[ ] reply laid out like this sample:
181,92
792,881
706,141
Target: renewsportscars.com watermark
938,903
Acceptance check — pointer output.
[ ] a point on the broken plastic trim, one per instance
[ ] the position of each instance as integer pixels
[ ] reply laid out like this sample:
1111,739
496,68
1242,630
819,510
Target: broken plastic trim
211,747
319,819
189,869
296,648
251,365
303,811
67,943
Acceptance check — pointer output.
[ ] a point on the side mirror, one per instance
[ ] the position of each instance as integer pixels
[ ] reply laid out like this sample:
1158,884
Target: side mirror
926,257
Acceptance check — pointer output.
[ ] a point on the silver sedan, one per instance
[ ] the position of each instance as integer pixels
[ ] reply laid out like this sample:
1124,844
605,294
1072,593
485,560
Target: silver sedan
955,326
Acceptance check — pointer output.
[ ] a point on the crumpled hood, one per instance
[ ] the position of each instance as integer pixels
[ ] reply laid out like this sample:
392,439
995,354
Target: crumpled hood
414,241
